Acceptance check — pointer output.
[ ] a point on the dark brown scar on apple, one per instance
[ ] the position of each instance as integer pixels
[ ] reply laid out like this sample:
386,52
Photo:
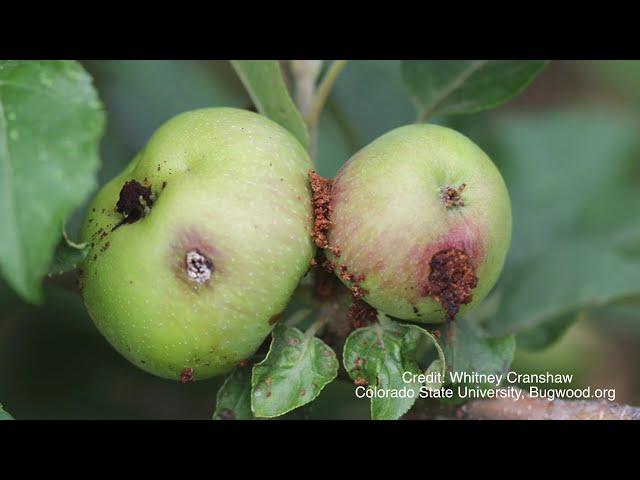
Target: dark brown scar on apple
275,319
135,201
451,280
452,197
187,376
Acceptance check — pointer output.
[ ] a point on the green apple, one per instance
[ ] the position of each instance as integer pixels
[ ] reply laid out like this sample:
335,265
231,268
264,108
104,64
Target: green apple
197,246
420,223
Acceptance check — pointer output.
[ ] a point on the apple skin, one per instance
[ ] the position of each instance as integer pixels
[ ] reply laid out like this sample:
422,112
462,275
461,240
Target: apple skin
388,218
231,185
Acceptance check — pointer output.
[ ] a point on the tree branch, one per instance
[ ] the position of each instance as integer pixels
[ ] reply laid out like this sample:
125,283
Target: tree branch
528,408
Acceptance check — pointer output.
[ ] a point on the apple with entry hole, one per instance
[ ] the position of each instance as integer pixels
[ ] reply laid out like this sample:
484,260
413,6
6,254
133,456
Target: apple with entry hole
420,224
197,246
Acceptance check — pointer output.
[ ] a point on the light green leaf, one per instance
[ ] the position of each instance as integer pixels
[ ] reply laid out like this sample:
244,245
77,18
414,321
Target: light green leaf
466,86
293,374
51,121
436,367
380,354
263,80
4,415
233,401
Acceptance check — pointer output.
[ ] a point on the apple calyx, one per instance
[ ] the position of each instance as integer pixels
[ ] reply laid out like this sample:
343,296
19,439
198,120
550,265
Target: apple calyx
452,197
187,376
199,267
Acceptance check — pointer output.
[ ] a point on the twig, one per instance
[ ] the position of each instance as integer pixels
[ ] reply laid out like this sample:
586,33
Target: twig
323,92
326,313
528,408
305,73
297,317
310,101
316,326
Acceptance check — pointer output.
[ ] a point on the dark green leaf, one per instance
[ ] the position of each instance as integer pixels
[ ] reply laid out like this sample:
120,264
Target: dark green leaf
294,372
575,194
263,80
621,318
469,349
571,276
466,86
545,334
67,256
379,355
233,401
50,123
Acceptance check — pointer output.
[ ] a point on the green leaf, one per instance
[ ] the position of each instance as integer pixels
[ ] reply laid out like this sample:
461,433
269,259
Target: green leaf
466,86
50,123
437,366
67,255
571,276
570,176
293,374
469,349
233,401
621,318
263,80
546,334
380,355
4,415
573,189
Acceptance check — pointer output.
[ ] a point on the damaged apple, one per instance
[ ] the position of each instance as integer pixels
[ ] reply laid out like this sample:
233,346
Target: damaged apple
199,243
420,224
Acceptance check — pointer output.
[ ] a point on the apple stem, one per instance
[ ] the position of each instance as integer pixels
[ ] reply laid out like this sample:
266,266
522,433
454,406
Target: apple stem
324,89
305,73
317,326
311,101
297,317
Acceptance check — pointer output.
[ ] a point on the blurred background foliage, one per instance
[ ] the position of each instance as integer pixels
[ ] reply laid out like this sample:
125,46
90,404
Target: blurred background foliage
570,153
